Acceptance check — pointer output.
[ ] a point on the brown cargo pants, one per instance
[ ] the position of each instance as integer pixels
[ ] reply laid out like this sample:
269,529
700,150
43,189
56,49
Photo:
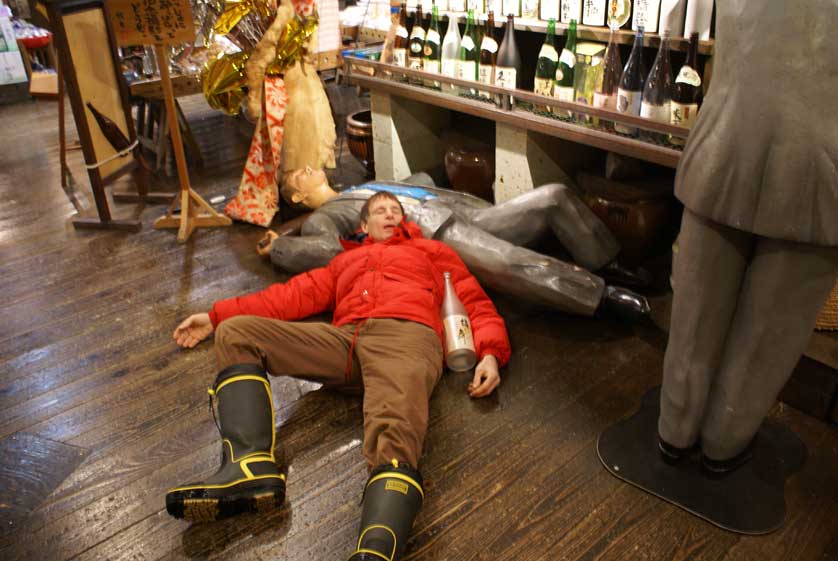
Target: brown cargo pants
396,362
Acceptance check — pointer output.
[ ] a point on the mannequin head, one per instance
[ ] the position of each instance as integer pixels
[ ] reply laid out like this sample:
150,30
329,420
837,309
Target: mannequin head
308,187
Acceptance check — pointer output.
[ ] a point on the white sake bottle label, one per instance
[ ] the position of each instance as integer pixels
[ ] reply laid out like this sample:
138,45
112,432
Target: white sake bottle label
647,14
571,9
457,333
687,75
659,113
400,57
549,9
604,101
682,114
505,77
466,70
489,44
568,58
543,86
594,12
627,102
449,67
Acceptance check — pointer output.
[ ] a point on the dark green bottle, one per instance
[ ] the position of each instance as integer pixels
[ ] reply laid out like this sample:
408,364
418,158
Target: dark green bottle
563,89
469,55
433,47
545,68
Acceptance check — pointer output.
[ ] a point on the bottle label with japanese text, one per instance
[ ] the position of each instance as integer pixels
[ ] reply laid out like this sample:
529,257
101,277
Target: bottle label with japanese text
604,101
449,67
659,113
400,57
506,77
467,70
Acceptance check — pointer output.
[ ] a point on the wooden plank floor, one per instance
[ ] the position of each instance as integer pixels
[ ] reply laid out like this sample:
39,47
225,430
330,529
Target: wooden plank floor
89,376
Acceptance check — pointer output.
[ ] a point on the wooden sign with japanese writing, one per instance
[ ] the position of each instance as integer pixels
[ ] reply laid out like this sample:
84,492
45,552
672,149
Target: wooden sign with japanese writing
151,22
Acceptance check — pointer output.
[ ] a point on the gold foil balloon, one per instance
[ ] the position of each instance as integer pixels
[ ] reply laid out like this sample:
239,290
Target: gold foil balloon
294,39
223,79
223,82
234,11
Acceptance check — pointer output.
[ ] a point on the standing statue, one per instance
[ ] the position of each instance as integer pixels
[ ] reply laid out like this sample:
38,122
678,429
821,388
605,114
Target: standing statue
758,249
490,240
285,97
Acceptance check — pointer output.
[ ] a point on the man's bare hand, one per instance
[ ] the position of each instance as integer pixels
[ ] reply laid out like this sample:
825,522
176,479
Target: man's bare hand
486,377
193,330
263,248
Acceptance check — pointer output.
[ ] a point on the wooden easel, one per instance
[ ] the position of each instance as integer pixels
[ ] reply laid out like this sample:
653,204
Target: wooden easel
171,24
191,202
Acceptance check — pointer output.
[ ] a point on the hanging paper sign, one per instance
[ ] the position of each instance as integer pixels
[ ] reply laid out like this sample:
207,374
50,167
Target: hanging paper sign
147,22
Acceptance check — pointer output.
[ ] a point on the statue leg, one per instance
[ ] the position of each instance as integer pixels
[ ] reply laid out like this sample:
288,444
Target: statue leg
708,272
523,273
525,218
784,289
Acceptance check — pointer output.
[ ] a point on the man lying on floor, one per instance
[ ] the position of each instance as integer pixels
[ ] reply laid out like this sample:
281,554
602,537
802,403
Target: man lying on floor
491,240
385,338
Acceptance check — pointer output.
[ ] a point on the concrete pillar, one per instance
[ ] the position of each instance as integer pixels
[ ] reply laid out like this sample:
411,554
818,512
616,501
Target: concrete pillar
406,135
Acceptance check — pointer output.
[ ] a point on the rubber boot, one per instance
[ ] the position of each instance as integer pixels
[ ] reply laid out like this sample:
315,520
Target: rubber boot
248,479
392,499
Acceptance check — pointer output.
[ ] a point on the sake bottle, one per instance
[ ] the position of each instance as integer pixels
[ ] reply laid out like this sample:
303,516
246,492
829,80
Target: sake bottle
488,54
548,9
459,342
512,7
417,41
508,62
570,9
605,93
657,92
450,52
563,88
110,130
646,14
631,84
529,9
545,67
469,53
433,48
401,43
593,12
686,91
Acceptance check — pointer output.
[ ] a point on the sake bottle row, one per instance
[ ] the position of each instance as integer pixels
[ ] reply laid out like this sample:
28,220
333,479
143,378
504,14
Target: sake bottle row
681,17
656,94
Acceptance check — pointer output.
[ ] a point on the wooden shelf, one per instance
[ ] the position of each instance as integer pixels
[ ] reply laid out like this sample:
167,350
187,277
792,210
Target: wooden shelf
372,75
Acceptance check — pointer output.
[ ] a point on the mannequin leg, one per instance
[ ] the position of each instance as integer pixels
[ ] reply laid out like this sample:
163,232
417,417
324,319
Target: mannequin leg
708,276
557,207
522,272
784,289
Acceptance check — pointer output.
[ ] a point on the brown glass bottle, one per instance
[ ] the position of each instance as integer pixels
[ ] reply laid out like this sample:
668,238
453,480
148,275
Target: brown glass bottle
686,91
488,53
110,130
400,45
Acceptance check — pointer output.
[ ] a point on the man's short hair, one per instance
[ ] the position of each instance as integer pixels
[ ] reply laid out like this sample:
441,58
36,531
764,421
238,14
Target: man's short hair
365,210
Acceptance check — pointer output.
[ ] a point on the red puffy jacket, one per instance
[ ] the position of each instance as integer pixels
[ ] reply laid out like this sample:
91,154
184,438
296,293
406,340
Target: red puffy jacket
400,277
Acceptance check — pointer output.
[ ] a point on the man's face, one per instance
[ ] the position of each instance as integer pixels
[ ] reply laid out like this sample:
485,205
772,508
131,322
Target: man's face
385,215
